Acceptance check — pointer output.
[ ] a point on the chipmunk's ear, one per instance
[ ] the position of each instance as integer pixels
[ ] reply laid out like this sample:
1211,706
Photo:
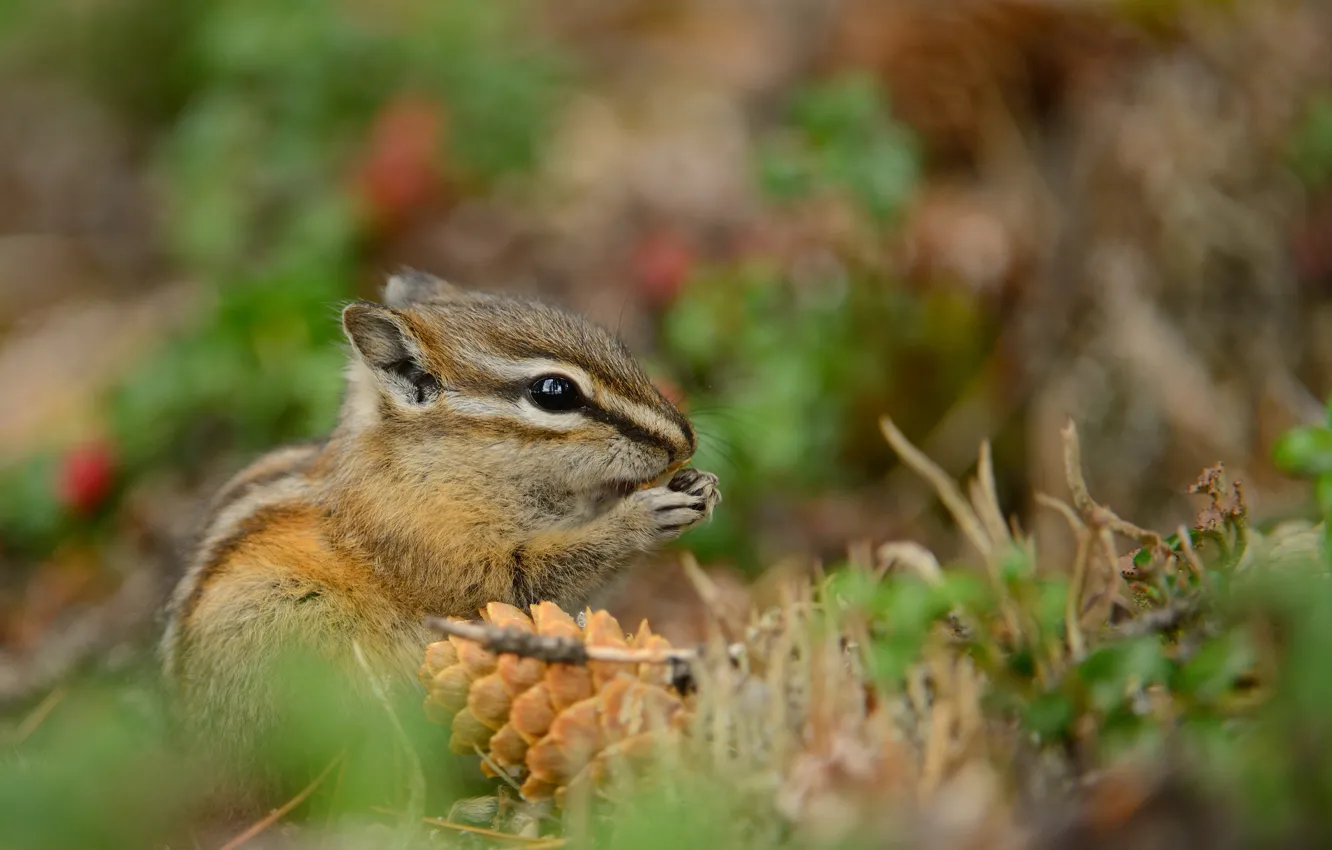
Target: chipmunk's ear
386,343
410,286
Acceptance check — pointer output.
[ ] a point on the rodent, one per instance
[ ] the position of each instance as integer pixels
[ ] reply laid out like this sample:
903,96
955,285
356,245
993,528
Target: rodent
488,448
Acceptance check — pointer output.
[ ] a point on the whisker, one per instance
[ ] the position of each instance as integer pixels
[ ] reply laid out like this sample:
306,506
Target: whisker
717,438
729,414
723,448
619,321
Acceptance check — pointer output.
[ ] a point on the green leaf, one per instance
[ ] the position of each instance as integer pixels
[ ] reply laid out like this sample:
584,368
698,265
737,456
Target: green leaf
1311,146
1049,715
1305,451
845,107
855,587
30,515
1122,730
913,606
1052,604
1109,670
1022,663
1323,496
1015,566
968,592
1213,670
785,175
891,657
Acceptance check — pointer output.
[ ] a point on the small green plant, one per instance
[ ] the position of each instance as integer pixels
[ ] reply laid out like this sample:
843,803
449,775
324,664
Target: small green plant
1307,453
840,138
1311,146
786,368
1212,650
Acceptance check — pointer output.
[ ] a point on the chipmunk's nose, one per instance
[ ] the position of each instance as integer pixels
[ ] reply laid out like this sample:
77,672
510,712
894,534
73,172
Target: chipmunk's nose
691,440
683,447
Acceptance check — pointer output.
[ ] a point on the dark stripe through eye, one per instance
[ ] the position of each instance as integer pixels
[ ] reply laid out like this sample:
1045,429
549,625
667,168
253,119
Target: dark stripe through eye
558,394
631,430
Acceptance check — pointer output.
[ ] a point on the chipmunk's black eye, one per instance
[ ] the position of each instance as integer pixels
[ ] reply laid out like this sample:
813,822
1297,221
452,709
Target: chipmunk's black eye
555,393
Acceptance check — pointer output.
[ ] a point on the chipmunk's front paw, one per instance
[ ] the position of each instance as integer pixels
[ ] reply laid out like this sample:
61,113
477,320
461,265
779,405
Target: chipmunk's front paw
684,502
697,483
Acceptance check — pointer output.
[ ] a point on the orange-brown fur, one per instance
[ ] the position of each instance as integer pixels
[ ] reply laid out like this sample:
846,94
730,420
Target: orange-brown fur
426,501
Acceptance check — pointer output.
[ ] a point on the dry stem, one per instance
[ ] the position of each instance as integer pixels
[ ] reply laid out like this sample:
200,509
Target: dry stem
416,787
526,840
947,489
553,650
277,814
964,513
38,715
1094,514
1073,605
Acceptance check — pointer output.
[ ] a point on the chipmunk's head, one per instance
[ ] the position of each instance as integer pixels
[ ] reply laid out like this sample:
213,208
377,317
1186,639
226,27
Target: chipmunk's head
449,380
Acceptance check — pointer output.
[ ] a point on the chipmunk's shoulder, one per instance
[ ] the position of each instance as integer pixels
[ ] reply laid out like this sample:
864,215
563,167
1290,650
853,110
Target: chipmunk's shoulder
271,504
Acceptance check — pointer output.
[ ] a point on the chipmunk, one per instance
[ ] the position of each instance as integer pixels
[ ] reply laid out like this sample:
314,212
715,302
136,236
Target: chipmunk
489,448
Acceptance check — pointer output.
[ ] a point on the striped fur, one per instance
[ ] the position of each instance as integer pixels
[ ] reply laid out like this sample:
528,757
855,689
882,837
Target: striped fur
443,487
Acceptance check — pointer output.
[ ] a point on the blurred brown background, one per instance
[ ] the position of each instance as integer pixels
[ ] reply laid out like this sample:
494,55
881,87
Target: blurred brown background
980,217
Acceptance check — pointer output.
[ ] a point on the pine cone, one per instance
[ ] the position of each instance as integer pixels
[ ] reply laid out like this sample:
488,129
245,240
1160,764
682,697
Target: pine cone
549,725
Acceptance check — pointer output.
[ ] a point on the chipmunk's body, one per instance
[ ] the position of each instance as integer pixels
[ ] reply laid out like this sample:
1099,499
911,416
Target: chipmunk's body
488,449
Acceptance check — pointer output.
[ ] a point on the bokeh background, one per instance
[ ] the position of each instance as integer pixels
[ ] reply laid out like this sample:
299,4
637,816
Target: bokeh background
981,217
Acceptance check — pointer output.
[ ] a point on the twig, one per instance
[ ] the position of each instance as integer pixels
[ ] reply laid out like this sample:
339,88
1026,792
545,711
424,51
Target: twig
1062,507
1159,620
1190,556
497,770
706,588
985,496
913,555
936,747
963,513
38,715
1098,515
553,650
945,486
280,812
1077,644
416,784
531,841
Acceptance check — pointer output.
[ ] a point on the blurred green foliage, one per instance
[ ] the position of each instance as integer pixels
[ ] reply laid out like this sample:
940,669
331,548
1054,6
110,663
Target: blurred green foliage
1311,145
108,767
1225,665
96,774
1307,452
262,108
841,139
788,370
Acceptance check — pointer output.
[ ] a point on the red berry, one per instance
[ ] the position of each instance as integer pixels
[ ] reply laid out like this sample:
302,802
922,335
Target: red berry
86,475
662,263
397,172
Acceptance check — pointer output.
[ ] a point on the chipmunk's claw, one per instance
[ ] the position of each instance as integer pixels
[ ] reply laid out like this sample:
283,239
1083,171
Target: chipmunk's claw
686,500
696,483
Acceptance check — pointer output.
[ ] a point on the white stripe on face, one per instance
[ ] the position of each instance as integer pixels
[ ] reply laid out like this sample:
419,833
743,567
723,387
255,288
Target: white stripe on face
521,410
645,416
531,369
